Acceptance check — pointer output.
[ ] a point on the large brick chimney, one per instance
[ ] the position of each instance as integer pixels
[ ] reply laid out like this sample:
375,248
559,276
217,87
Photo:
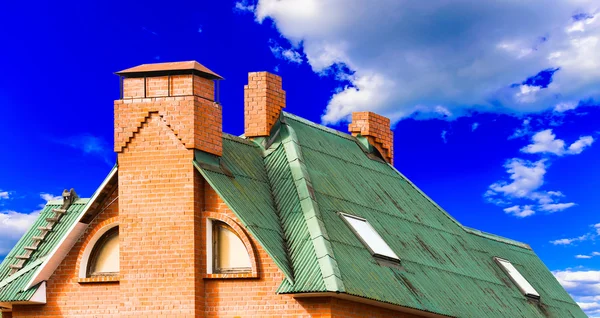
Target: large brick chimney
166,111
263,101
376,129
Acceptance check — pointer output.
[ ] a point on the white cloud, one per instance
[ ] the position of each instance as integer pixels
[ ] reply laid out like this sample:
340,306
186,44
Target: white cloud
285,54
4,194
590,236
584,287
49,197
565,106
474,126
519,211
579,282
12,226
565,241
526,177
556,207
405,52
593,254
443,135
527,94
545,142
244,6
578,146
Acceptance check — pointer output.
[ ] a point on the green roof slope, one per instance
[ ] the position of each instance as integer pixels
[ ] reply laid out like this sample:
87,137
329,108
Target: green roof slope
446,269
289,195
12,287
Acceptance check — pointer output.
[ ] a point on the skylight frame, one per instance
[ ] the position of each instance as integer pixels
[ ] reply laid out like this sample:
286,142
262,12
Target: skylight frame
389,255
517,278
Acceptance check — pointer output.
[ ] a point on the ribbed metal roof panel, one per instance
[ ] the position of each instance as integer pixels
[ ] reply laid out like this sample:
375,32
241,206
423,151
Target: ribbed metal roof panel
14,290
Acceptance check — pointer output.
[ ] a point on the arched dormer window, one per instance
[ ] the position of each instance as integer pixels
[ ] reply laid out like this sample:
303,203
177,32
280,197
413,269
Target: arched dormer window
104,258
229,254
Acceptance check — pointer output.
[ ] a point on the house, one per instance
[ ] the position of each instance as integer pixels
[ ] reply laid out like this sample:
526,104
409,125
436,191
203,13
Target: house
291,219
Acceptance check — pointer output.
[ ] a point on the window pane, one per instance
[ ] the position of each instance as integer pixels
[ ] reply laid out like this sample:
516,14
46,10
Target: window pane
517,278
370,237
232,251
106,257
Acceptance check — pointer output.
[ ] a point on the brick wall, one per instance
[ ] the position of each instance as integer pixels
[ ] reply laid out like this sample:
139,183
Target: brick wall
66,297
158,224
263,101
377,130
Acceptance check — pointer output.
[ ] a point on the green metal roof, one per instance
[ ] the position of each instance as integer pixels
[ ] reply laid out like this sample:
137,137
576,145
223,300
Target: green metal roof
245,187
289,196
12,287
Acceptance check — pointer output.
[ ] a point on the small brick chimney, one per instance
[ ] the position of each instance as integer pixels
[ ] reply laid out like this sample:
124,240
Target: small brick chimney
263,101
376,129
166,112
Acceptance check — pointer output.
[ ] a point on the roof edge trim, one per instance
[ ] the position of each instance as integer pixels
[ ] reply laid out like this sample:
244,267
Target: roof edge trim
36,279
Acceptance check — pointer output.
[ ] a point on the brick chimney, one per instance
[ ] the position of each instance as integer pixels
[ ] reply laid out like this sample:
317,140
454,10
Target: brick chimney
376,129
263,101
181,93
166,112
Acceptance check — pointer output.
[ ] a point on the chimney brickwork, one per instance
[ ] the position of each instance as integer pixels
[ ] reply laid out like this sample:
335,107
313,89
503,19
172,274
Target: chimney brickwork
264,99
376,129
184,102
159,122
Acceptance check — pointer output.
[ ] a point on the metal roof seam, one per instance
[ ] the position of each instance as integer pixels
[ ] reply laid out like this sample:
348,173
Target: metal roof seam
318,232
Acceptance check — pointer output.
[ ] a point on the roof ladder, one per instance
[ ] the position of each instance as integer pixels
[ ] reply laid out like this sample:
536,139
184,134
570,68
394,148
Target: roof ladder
68,198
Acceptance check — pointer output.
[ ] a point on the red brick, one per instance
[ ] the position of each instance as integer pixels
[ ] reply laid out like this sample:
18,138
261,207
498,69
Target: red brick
376,129
264,99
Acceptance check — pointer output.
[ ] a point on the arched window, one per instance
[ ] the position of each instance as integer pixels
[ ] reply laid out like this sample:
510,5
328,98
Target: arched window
229,252
104,259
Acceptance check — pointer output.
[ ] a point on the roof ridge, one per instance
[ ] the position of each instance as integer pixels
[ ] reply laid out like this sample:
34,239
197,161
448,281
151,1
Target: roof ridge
318,126
239,139
324,251
495,237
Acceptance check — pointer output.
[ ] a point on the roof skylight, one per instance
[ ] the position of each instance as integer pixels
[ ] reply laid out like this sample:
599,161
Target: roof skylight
517,278
369,237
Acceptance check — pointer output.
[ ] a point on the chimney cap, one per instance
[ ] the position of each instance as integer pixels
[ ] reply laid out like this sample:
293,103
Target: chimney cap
170,68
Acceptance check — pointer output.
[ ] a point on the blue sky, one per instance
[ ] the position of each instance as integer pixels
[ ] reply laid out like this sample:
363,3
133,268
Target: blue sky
494,106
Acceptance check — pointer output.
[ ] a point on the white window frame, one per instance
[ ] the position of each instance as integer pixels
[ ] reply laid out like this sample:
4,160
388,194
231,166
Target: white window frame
517,278
85,259
389,256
